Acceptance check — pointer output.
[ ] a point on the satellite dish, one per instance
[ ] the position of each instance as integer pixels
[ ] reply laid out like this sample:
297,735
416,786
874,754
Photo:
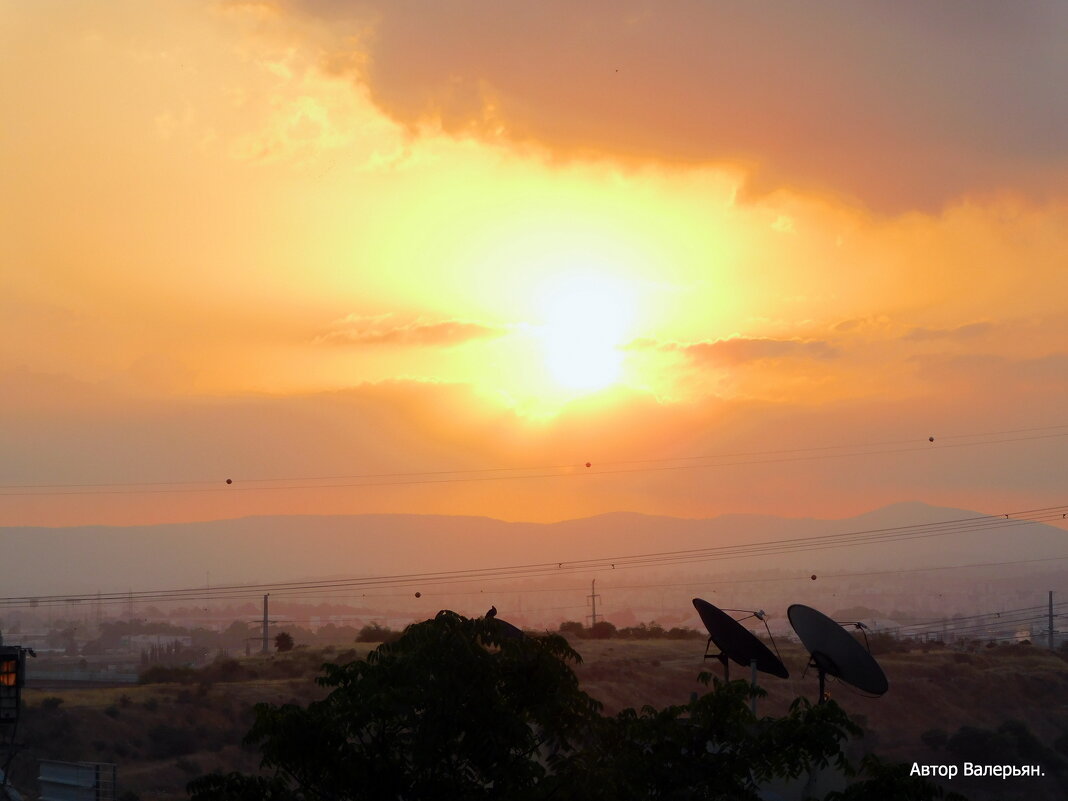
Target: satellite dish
834,652
736,642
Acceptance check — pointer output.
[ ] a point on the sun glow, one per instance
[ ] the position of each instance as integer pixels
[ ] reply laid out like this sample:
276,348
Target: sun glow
586,320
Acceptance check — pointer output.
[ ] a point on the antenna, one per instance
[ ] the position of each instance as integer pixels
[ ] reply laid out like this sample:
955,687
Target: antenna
736,643
834,652
265,622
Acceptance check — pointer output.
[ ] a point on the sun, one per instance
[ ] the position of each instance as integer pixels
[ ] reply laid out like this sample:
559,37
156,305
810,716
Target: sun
585,321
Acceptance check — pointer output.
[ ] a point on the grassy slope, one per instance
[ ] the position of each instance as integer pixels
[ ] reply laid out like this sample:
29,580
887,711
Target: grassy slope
145,729
936,689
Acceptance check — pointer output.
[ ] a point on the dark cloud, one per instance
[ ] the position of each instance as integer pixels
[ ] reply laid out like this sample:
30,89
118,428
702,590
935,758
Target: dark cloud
901,106
741,350
380,330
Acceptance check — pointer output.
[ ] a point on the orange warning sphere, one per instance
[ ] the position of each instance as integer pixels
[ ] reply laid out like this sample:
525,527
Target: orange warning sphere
930,439
813,576
588,464
419,595
229,481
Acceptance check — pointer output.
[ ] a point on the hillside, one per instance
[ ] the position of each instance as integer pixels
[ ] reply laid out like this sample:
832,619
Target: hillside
91,559
163,735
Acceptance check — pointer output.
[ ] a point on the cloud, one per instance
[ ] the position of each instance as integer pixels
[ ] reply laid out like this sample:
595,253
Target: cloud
735,351
354,329
1031,378
963,332
902,108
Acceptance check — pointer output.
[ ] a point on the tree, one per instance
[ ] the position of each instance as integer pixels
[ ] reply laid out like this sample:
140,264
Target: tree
283,642
450,709
891,781
602,630
572,627
373,632
935,738
458,709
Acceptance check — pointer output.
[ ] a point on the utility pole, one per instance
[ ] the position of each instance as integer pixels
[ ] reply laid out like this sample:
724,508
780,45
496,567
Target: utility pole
592,598
1051,620
265,596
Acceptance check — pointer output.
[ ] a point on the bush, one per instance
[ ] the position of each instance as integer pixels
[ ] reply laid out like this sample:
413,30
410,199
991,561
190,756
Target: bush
935,739
227,670
602,630
170,741
373,632
51,703
283,641
1012,742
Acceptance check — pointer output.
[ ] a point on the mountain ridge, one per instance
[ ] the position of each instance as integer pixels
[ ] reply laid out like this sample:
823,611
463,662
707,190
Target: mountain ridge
86,559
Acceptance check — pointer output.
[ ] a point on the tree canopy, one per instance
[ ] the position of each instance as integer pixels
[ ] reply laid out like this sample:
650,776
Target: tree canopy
459,708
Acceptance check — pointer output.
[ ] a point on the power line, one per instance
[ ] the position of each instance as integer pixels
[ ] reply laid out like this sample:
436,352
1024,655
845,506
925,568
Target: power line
977,621
533,472
438,578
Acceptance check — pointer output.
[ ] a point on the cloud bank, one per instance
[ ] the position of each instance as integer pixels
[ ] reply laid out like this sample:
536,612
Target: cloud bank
354,329
899,107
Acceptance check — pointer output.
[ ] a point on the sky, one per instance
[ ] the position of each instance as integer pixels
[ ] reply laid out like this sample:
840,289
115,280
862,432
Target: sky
437,257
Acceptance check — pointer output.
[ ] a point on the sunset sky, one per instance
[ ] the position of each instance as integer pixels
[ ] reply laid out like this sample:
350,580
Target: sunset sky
279,241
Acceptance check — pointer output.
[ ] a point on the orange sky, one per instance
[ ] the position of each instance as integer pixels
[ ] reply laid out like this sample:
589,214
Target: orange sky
281,240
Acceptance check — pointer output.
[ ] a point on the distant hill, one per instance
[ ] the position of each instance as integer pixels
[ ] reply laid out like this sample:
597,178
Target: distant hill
38,560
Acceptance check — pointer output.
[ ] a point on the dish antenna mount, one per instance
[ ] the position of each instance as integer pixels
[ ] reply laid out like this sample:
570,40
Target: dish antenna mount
834,652
735,642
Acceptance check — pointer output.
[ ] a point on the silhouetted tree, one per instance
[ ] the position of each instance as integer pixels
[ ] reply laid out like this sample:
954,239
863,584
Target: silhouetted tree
283,641
373,632
935,738
602,630
457,709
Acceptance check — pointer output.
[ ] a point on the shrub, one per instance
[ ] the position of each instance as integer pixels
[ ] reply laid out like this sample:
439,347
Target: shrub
373,632
168,741
935,739
283,641
602,630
